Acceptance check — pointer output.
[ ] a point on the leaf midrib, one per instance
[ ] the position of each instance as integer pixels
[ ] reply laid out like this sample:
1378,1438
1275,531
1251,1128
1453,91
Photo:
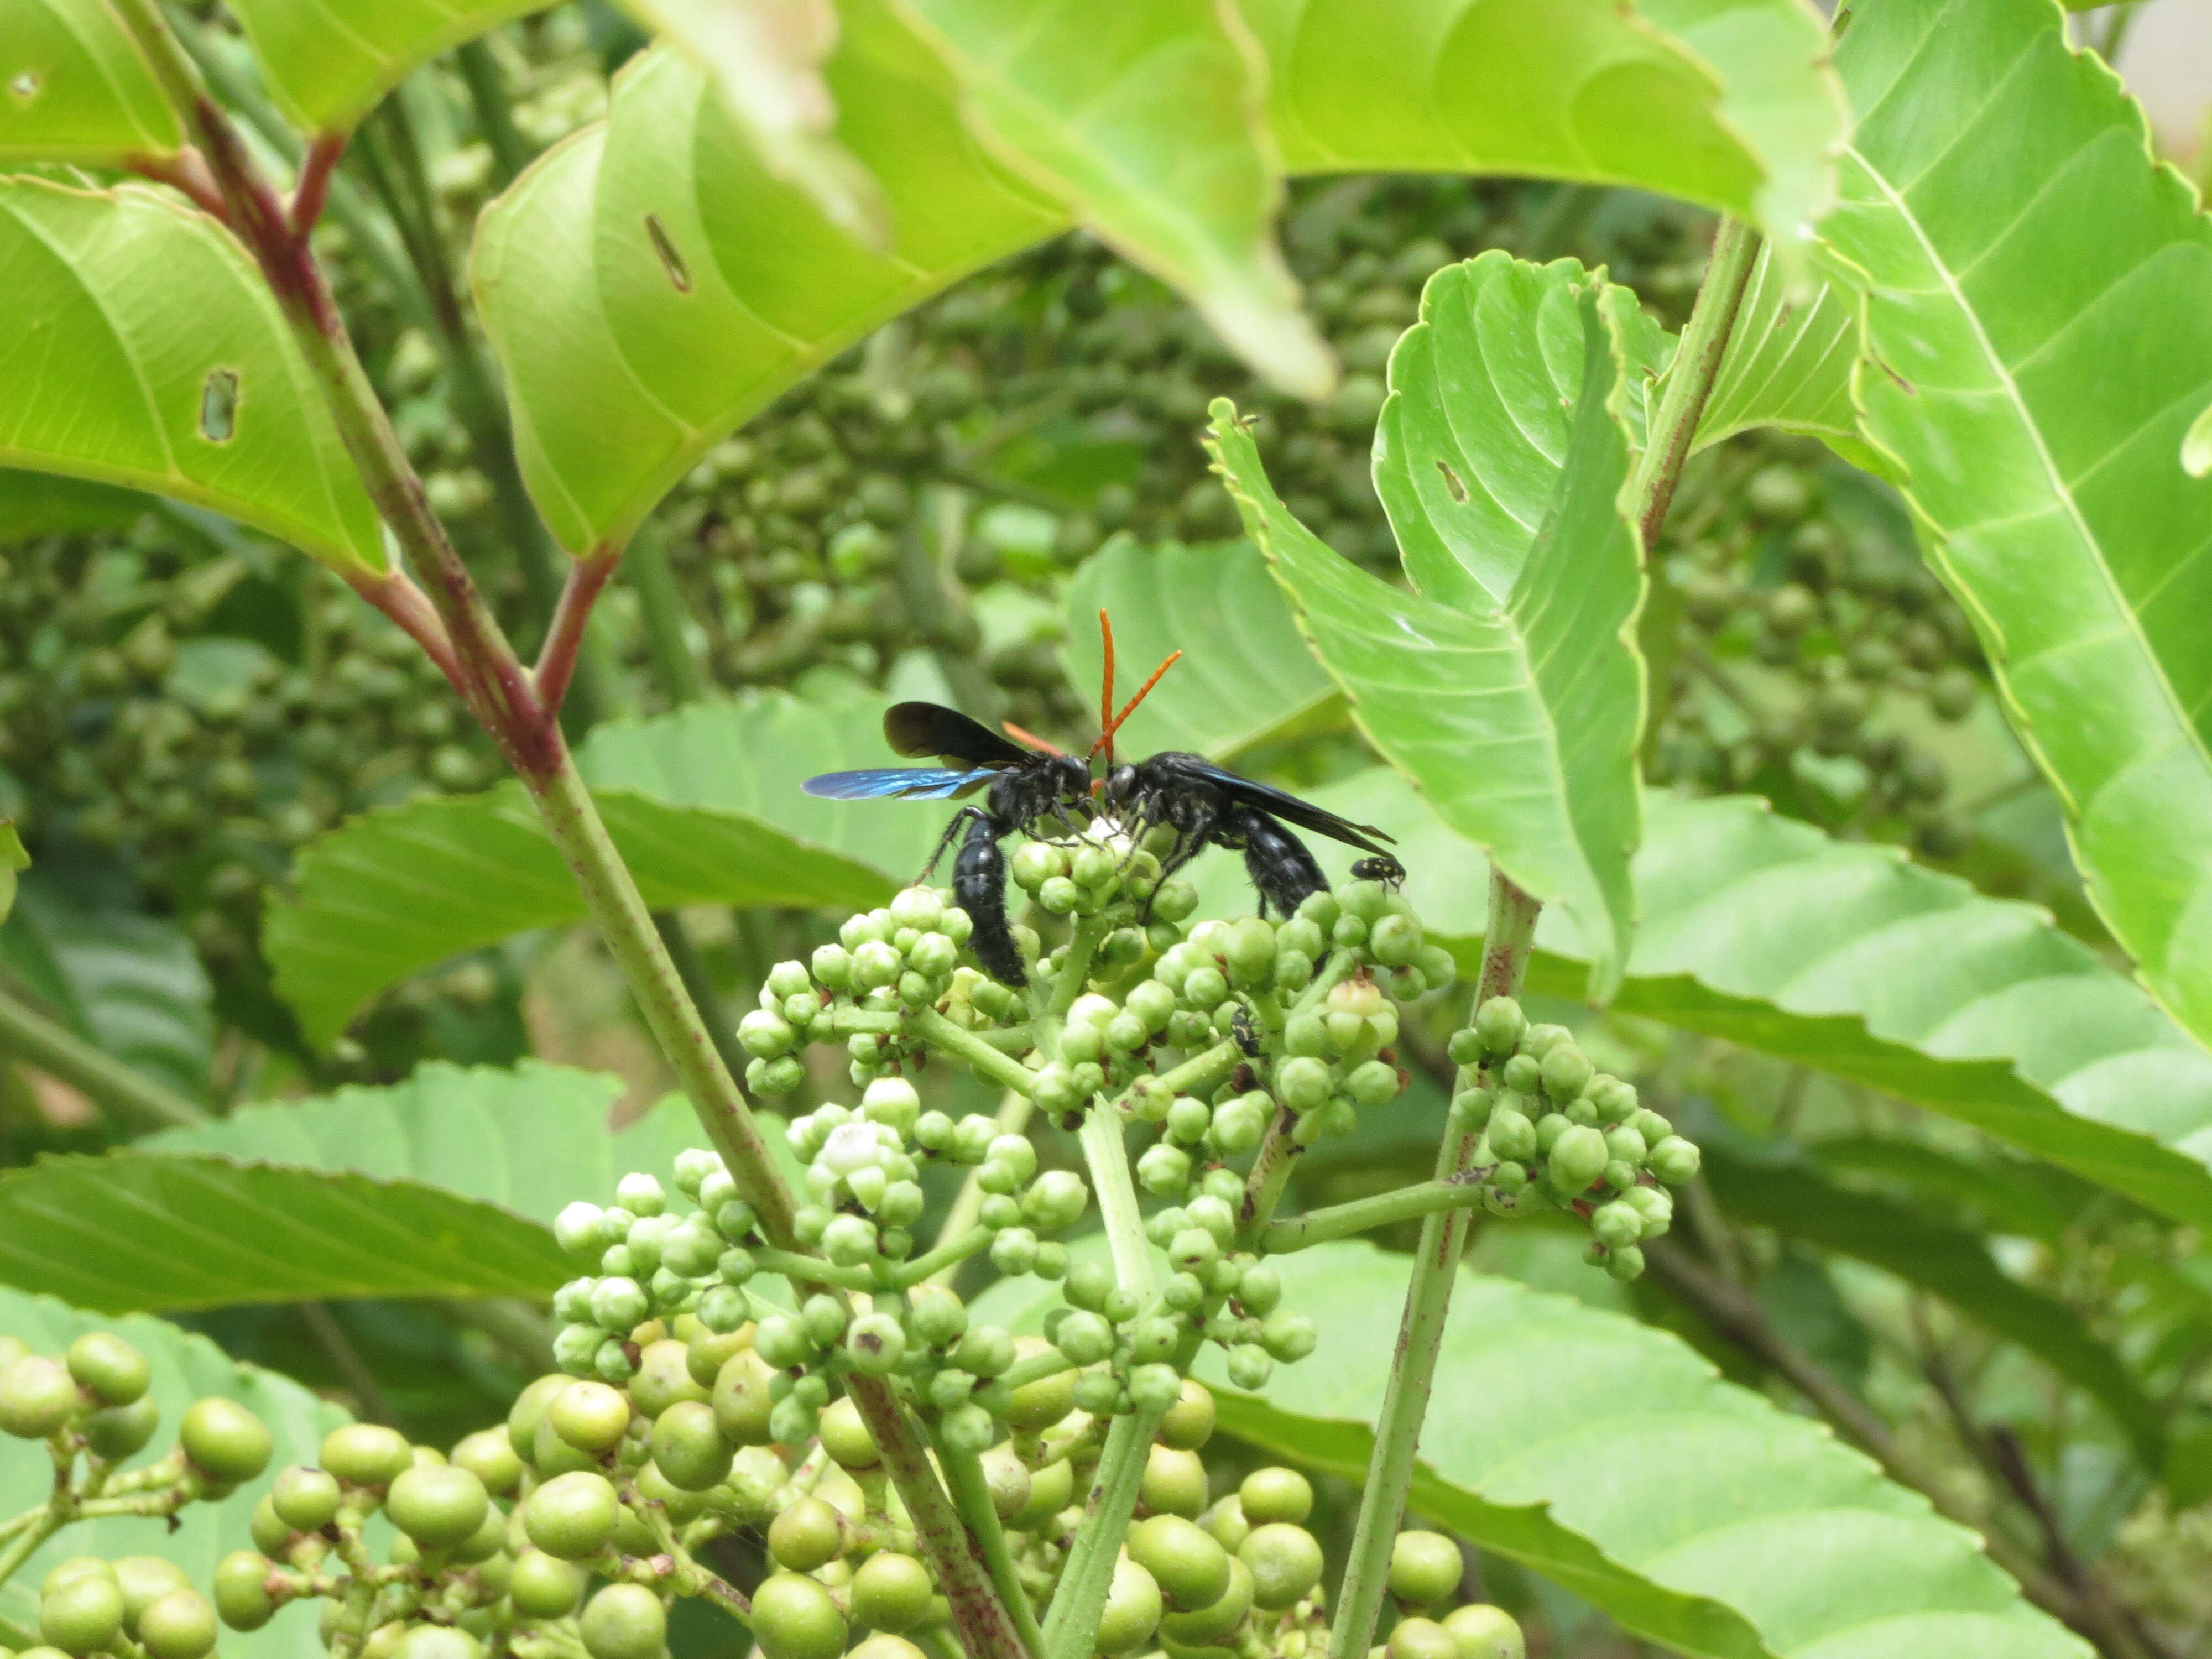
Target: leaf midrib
2060,491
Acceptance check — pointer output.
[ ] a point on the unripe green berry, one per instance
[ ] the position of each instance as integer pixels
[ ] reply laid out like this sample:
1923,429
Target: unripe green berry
82,1615
108,1368
1249,1367
572,1515
807,1535
487,1455
543,1586
1653,1208
1424,1568
1041,1404
624,1621
1188,1423
793,1618
1499,1025
1578,1158
1674,1160
742,1400
1513,1136
1421,1638
1208,1624
1393,941
689,1448
1132,1610
1374,1083
1276,1494
223,1439
37,1396
937,1316
117,1432
1626,1263
891,1591
1483,1632
590,1416
145,1579
1190,1568
241,1591
178,1625
1565,1069
1285,1564
305,1500
1174,1482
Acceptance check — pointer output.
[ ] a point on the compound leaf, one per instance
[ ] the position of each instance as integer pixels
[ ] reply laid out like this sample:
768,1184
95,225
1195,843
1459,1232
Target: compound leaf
325,74
158,359
129,983
127,1232
1143,119
74,86
688,288
528,1140
704,804
1246,675
186,1367
1507,688
2036,342
1796,1201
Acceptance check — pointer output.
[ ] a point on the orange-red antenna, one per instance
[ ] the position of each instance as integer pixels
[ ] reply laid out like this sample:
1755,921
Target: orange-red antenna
1106,692
1030,738
1106,740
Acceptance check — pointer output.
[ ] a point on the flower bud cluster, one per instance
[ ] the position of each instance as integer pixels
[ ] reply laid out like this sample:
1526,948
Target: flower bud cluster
1558,1131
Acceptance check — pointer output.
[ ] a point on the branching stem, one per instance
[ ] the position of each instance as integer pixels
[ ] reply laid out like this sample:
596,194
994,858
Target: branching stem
1363,1215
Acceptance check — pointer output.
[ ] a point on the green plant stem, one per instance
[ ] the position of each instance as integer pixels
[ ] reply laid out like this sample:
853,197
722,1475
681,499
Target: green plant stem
53,1047
1015,1109
1689,382
811,1269
985,1624
699,986
987,1062
971,1497
944,1259
22,1546
488,98
662,612
1072,1621
1507,939
1343,1220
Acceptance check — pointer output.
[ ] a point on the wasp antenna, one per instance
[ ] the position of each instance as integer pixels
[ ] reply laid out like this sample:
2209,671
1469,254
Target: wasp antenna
1143,691
1106,692
1030,738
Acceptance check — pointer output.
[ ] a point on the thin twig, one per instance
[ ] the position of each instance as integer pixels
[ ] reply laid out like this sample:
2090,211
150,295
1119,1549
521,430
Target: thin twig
587,576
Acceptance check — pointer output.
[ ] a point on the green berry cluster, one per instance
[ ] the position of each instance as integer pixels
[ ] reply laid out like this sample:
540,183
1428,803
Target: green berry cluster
1817,650
93,1407
1558,1133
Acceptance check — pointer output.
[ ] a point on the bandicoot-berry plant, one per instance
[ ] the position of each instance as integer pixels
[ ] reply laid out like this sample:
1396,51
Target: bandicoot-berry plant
904,1377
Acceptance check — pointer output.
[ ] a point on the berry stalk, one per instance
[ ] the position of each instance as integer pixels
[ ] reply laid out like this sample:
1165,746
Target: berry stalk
1507,938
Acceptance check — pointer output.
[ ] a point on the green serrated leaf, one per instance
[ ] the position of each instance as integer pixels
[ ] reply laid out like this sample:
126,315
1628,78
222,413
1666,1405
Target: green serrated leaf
1515,712
326,70
2037,343
1788,364
705,288
186,1367
1885,974
130,983
704,805
765,57
2031,1200
126,1232
160,360
1611,1458
1144,119
1246,676
1796,1200
74,86
529,1141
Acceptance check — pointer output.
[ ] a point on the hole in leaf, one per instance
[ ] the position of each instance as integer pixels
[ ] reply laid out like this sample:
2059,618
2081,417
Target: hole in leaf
1451,483
219,406
671,260
26,85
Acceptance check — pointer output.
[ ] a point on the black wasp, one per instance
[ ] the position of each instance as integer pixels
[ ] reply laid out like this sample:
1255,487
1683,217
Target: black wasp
1024,786
1207,806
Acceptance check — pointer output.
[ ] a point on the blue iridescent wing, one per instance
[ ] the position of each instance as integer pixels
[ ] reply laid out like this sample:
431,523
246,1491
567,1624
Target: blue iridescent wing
898,783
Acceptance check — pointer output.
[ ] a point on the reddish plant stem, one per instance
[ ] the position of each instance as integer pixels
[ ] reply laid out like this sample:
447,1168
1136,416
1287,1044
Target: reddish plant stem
396,595
556,662
188,171
312,191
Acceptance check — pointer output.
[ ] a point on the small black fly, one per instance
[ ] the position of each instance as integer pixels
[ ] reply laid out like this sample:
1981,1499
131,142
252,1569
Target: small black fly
1024,787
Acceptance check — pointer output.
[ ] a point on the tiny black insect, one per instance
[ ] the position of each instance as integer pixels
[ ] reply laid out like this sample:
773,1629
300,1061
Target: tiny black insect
1207,806
1024,786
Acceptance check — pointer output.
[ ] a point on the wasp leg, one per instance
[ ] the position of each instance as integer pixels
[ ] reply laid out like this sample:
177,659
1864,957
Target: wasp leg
964,815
